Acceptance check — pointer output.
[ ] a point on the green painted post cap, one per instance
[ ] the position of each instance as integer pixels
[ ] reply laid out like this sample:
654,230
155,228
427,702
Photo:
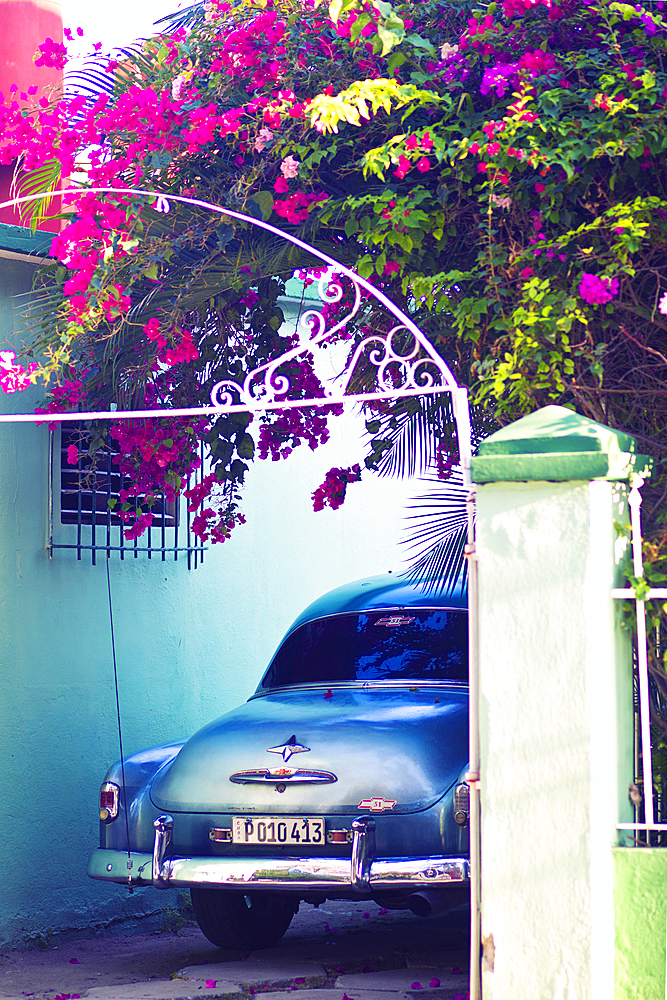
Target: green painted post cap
556,444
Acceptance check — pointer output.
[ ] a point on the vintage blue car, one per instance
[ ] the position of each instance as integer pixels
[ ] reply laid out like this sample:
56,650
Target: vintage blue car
342,777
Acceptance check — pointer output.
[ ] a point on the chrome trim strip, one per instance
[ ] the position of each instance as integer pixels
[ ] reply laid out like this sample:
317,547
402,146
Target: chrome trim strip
365,685
283,776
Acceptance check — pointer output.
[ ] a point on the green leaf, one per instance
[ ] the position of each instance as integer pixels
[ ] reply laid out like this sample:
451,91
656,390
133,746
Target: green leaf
391,33
419,42
245,446
395,60
338,7
264,199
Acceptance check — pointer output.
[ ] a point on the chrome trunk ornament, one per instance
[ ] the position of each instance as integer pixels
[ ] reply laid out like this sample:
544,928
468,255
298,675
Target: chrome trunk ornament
287,749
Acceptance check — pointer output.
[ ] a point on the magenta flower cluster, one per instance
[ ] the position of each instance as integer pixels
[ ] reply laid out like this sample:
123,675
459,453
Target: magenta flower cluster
332,491
596,290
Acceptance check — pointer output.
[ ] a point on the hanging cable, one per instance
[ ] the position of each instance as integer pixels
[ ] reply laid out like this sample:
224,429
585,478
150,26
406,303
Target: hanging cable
120,733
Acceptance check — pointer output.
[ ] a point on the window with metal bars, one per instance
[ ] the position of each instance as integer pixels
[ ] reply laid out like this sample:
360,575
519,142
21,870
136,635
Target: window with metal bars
86,497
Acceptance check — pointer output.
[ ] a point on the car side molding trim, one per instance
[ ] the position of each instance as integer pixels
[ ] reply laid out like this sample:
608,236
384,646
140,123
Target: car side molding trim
288,874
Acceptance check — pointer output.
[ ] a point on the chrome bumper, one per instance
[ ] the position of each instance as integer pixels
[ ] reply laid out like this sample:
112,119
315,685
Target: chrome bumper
287,874
362,875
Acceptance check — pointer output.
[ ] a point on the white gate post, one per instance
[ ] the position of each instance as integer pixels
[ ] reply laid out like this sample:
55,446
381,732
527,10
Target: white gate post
555,702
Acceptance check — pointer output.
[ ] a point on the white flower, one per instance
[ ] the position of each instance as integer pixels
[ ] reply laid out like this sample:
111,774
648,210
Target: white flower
289,167
501,202
264,136
178,86
447,51
662,305
7,359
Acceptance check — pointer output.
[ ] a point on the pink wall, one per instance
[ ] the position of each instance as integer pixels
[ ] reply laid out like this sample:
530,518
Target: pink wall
24,24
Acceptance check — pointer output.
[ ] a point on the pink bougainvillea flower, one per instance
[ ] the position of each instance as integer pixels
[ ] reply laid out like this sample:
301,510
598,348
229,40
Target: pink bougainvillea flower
210,983
434,982
13,377
72,459
404,166
423,165
457,970
426,142
596,290
383,911
416,986
52,55
332,491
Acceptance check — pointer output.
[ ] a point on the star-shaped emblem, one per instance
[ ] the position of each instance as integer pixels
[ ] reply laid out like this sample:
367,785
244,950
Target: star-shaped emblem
287,749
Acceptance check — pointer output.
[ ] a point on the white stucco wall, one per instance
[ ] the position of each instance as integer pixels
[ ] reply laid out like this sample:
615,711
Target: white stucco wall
556,729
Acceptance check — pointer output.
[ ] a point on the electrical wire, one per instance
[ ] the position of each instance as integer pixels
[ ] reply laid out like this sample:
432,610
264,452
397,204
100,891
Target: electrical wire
120,731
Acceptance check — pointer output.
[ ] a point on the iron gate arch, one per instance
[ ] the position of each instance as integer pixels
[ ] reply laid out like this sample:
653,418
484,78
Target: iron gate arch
258,394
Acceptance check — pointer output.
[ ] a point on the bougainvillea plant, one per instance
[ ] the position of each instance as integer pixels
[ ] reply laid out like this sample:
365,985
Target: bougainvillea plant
499,170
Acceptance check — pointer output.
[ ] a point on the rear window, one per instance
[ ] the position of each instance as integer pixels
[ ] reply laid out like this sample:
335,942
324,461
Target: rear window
378,645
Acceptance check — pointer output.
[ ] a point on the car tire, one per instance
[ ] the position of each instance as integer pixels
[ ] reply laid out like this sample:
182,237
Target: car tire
236,921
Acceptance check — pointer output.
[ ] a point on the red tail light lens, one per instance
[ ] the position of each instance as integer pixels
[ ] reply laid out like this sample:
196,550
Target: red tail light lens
109,799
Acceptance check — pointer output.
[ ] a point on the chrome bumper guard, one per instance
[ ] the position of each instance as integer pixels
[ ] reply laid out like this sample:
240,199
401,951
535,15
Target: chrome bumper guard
364,874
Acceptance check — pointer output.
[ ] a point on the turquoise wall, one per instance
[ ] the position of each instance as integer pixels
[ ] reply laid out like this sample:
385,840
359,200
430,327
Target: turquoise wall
190,645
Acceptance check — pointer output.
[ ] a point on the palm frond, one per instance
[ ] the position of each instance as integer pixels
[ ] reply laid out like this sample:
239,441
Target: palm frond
412,431
437,535
43,180
96,76
183,18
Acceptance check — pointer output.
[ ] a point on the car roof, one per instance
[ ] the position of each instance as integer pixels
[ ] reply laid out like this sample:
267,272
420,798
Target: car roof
385,591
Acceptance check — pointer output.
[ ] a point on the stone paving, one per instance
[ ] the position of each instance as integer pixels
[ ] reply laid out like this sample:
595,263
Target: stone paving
357,956
266,977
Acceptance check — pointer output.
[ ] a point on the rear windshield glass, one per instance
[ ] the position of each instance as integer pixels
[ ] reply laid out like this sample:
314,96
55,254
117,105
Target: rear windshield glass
379,645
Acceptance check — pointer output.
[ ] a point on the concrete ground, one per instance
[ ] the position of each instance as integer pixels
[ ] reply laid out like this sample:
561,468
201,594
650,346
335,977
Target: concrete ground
341,951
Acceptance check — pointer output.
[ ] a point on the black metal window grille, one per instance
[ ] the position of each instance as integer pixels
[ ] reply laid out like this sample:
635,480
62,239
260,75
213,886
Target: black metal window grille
85,492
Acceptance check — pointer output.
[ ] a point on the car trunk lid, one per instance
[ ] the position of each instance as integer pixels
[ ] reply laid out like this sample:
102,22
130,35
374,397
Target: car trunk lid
397,747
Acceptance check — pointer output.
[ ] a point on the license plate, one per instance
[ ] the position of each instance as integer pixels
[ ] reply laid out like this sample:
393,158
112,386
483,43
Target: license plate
293,831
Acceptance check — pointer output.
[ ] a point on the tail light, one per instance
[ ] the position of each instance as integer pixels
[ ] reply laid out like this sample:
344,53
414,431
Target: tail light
462,804
109,799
